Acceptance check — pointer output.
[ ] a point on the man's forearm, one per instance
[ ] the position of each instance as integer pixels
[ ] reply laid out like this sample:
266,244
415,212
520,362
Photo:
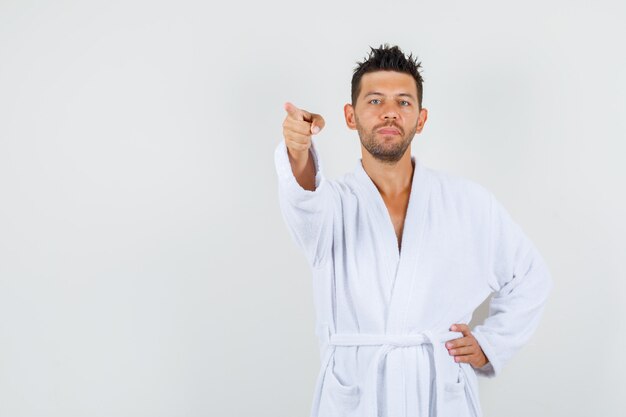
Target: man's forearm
303,168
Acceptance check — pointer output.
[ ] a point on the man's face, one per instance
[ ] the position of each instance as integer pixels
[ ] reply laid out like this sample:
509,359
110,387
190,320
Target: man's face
386,114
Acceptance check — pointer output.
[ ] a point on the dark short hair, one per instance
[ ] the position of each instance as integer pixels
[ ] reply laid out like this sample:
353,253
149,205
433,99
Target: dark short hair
386,58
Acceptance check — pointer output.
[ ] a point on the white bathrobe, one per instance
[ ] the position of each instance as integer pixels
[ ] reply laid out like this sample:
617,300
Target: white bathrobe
383,315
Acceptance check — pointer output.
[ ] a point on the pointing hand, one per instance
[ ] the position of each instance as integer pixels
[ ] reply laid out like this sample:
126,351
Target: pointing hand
298,127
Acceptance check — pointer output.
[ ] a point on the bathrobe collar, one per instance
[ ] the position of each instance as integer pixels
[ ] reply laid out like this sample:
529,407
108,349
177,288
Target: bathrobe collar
401,264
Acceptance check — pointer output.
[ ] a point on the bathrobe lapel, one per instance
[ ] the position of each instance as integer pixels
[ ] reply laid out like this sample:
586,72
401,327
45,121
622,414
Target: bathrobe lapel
400,264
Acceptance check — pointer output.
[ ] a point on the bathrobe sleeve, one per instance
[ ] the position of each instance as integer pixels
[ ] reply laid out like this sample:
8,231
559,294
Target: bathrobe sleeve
308,214
521,283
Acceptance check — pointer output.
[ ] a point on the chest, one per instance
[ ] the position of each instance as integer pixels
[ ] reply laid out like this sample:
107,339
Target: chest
397,207
441,266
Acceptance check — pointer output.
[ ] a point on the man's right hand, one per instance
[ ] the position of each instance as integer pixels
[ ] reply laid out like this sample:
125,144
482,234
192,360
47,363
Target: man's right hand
298,127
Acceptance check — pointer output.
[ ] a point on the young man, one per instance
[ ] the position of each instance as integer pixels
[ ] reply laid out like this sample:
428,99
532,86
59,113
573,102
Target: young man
401,256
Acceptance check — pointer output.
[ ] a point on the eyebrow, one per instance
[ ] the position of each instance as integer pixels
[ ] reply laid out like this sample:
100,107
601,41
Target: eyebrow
376,93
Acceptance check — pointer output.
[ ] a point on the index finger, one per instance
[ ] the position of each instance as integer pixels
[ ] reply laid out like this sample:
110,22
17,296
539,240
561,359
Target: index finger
297,113
460,342
461,327
293,111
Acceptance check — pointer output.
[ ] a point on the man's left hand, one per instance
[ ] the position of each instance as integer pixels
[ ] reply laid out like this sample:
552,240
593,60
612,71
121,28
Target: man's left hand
466,348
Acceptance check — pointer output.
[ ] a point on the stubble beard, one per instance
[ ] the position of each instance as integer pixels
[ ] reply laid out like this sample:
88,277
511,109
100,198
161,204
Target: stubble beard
389,153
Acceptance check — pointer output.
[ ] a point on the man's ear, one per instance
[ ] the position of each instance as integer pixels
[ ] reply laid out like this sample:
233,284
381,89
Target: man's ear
421,119
348,112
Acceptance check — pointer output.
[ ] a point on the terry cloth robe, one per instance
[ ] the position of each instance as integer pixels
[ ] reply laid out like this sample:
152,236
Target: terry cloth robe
383,314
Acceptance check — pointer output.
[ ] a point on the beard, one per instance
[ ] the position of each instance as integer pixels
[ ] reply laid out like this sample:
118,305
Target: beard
380,149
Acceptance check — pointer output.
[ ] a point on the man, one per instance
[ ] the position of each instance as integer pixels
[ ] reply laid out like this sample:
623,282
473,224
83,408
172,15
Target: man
401,257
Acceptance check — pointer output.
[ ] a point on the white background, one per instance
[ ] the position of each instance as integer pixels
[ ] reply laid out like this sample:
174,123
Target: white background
144,266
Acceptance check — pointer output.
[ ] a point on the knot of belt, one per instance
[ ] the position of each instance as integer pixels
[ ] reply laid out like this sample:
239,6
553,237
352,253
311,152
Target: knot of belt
388,343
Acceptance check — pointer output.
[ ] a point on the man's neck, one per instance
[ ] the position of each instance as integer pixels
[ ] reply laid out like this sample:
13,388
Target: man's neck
391,180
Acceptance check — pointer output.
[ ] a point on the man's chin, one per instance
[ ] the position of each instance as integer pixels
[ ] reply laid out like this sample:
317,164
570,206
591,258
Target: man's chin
388,149
387,156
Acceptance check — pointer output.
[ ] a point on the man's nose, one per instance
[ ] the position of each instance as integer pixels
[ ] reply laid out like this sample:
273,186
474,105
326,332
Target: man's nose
389,112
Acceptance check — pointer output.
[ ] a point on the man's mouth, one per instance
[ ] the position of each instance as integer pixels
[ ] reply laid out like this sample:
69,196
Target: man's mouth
388,131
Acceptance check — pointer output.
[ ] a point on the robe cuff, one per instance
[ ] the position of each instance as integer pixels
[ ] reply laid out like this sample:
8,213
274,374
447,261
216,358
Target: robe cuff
492,368
287,179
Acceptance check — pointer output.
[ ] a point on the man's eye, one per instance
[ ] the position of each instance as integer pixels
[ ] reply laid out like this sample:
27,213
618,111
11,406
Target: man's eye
375,101
404,103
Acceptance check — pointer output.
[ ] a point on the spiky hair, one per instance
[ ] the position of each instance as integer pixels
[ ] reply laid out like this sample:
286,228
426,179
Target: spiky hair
386,58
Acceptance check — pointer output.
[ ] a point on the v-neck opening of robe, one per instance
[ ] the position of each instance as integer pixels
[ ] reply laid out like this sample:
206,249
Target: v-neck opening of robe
400,262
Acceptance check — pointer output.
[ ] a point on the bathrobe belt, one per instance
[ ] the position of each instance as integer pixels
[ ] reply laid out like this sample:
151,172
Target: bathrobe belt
388,343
